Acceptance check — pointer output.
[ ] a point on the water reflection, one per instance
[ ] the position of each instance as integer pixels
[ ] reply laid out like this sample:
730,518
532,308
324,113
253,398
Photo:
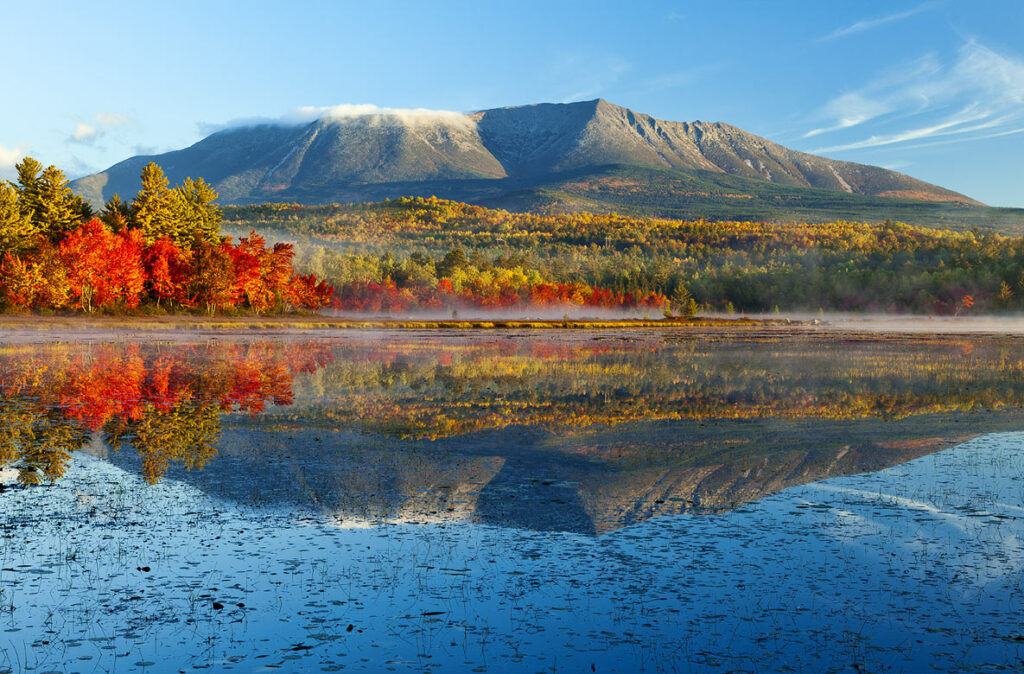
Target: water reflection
565,432
164,401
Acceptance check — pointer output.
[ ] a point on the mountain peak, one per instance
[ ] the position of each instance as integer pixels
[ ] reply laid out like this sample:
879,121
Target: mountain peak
354,153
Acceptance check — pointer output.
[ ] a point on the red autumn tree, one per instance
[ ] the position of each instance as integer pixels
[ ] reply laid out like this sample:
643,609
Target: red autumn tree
167,268
306,292
212,276
103,267
247,260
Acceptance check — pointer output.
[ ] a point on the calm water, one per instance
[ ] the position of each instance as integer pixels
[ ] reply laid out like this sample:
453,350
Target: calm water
512,502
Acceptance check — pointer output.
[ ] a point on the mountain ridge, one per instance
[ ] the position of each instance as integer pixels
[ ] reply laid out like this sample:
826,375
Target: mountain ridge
489,155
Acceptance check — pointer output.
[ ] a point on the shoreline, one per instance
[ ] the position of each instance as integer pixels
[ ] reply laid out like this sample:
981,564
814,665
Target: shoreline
303,322
23,328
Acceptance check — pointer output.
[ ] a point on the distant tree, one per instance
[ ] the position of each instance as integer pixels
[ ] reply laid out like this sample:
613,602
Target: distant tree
1005,293
680,298
453,260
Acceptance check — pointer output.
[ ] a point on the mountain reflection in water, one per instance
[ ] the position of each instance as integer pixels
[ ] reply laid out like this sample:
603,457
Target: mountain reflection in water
548,432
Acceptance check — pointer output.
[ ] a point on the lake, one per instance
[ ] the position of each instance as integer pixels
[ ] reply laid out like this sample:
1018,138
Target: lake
662,500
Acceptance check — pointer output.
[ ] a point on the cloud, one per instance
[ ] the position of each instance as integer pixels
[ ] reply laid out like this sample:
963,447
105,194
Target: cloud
350,111
111,119
980,91
851,110
88,134
84,134
310,113
870,24
9,157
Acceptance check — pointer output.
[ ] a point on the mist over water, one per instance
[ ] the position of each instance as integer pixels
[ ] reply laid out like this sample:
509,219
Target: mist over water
883,323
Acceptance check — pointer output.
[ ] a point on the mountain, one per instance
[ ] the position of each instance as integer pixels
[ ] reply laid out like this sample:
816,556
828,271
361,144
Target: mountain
592,155
532,480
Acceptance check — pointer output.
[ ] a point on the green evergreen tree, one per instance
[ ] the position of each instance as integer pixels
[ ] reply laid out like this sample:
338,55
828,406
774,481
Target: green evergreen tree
28,179
197,211
56,209
16,227
155,209
680,298
453,259
116,214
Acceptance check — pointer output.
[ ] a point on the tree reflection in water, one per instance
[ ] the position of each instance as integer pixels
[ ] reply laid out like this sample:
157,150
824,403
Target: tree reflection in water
166,401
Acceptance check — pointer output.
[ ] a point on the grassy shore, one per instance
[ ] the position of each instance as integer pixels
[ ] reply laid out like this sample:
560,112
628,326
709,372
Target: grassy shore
313,322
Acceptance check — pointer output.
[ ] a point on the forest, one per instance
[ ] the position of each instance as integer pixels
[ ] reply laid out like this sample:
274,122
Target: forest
162,251
174,249
413,248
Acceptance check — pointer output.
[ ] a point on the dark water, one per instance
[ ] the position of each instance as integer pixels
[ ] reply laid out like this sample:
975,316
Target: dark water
512,502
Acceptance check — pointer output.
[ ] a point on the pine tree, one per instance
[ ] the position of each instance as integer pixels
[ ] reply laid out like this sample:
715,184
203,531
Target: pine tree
116,214
199,216
59,209
28,179
680,298
155,210
16,227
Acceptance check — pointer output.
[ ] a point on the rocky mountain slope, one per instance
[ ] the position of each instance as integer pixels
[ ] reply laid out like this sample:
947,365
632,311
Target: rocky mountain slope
529,156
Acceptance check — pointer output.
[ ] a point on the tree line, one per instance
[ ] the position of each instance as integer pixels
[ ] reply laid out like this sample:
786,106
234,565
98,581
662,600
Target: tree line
743,266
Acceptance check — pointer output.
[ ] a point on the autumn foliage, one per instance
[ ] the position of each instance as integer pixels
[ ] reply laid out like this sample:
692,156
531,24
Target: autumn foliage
164,249
387,297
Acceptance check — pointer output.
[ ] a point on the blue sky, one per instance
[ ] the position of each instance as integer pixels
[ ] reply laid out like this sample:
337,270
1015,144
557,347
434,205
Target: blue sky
933,89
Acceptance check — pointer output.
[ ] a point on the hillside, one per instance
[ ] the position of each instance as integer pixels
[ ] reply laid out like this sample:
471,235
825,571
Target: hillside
591,155
413,254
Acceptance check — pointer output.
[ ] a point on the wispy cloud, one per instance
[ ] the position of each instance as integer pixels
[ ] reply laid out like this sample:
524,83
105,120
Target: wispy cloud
580,76
980,91
111,118
870,24
675,79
